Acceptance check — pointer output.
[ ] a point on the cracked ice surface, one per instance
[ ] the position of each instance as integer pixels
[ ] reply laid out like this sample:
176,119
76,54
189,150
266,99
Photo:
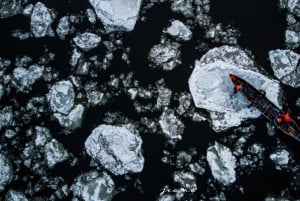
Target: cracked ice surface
222,163
61,97
285,66
117,14
116,148
87,41
212,89
41,20
92,186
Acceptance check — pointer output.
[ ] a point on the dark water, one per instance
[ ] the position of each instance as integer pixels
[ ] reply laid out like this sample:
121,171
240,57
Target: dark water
262,28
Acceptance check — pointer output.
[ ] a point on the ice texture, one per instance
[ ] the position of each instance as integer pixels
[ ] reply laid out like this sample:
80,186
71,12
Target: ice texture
9,8
6,117
117,15
116,148
179,30
61,97
212,89
87,41
280,158
186,180
285,66
41,20
171,125
27,77
93,186
13,195
222,163
72,120
6,171
165,55
63,27
55,153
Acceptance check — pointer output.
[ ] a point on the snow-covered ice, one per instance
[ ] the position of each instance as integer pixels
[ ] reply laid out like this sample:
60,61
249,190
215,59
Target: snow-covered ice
87,41
171,125
212,89
41,20
55,153
280,158
13,195
72,120
179,30
94,186
6,171
285,66
116,148
61,97
222,163
165,55
117,15
27,77
186,180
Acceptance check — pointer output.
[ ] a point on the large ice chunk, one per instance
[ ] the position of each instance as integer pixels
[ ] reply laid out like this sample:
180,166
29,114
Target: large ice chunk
222,163
61,97
285,66
117,14
87,41
9,8
6,171
41,19
116,148
212,89
92,186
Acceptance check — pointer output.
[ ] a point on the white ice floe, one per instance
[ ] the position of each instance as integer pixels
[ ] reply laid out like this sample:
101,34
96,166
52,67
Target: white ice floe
285,66
41,20
27,77
117,15
61,97
222,163
87,41
179,30
55,153
212,89
72,120
165,55
171,126
116,148
280,158
93,186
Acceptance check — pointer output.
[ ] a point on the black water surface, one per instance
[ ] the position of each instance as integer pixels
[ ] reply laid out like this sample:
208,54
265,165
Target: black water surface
261,23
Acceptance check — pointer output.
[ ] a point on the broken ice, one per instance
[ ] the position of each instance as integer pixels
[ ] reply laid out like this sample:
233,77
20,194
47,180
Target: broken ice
116,148
212,89
117,15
